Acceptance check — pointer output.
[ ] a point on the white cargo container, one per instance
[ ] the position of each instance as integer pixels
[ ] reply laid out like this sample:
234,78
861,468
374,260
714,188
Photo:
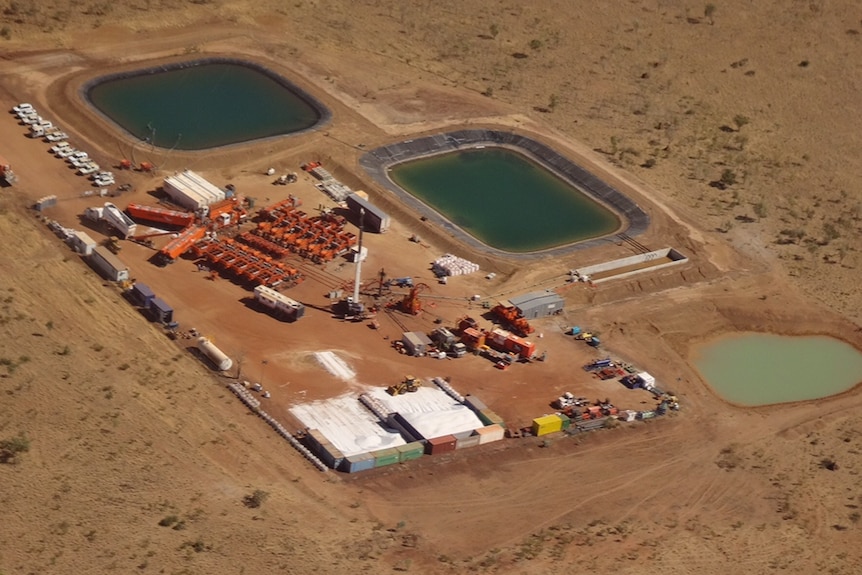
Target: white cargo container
278,304
192,191
82,243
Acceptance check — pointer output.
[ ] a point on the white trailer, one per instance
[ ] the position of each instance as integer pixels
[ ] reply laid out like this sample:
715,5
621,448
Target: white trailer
118,220
278,304
108,265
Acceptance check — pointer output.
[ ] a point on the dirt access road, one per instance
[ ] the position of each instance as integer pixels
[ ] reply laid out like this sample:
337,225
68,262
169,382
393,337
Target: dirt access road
128,431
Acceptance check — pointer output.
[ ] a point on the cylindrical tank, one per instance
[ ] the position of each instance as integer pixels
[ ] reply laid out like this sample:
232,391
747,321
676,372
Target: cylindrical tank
217,356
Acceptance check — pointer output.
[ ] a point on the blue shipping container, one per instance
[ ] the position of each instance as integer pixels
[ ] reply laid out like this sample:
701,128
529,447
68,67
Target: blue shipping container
358,462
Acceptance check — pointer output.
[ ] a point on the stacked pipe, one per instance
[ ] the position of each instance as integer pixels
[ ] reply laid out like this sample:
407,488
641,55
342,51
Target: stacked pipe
375,406
452,265
254,404
444,385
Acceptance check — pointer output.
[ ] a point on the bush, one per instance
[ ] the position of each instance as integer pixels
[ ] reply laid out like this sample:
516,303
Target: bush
12,447
255,500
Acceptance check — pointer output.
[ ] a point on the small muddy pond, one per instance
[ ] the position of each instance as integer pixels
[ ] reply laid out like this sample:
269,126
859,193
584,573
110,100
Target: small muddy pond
760,369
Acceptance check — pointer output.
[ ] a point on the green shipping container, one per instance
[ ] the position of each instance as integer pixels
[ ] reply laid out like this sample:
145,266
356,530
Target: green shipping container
385,457
565,419
410,451
488,417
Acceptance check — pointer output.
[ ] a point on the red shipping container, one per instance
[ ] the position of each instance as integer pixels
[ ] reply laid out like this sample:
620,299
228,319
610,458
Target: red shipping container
441,444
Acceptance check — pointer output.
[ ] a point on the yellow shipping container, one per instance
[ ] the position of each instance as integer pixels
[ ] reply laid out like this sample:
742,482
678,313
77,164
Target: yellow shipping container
547,424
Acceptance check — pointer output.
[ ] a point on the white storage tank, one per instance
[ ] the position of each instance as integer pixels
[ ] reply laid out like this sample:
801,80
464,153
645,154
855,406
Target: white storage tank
217,356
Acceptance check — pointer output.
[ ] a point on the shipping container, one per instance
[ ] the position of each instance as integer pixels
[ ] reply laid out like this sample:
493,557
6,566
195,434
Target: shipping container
405,428
546,424
475,403
314,438
330,455
471,440
358,462
564,419
488,417
108,265
386,456
489,433
413,450
141,294
440,445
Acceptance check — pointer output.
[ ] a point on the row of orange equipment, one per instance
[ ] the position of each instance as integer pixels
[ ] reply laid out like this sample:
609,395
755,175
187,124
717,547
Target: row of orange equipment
319,238
244,263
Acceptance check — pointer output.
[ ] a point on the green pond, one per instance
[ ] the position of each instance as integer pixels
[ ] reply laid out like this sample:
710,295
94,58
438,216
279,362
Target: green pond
203,105
760,369
504,199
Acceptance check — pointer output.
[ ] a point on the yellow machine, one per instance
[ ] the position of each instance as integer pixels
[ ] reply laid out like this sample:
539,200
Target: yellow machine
409,385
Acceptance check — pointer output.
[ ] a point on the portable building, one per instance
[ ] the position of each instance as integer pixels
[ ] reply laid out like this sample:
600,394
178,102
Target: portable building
443,337
141,294
628,415
192,191
415,342
489,433
278,304
538,304
410,451
375,219
108,265
475,403
82,243
358,462
441,444
546,424
648,380
160,311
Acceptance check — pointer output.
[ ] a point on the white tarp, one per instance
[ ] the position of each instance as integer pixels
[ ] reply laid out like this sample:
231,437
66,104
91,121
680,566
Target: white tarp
347,424
430,410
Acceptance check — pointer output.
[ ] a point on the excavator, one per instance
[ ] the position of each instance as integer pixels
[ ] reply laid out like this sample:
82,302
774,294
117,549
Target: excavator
409,385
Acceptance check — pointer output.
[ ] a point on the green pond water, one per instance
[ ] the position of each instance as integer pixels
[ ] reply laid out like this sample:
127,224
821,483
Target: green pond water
203,106
504,199
759,369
